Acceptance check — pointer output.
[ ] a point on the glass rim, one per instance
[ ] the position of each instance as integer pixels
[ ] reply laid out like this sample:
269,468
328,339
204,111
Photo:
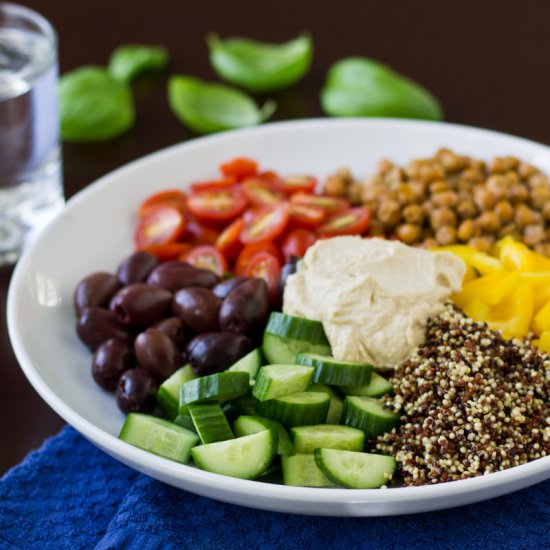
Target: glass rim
44,27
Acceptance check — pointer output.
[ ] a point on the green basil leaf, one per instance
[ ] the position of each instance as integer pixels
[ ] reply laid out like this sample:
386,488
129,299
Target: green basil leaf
93,105
210,107
358,86
258,66
128,61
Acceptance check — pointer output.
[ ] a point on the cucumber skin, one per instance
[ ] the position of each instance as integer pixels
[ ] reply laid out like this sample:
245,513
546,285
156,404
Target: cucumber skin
295,414
207,388
210,422
336,407
300,470
296,328
167,398
372,424
265,387
248,424
352,439
250,363
377,387
336,373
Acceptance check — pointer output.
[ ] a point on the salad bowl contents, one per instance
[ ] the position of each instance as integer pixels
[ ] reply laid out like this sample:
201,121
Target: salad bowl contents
250,325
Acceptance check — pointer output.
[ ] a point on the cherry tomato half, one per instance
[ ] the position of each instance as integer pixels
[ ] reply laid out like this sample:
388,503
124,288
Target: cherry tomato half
249,251
228,242
265,266
354,221
163,224
265,224
198,233
303,215
294,184
223,183
260,193
329,204
168,251
169,197
207,257
239,168
217,204
296,242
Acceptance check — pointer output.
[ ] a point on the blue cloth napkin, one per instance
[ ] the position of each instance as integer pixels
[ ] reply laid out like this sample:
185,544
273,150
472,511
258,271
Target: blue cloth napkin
69,494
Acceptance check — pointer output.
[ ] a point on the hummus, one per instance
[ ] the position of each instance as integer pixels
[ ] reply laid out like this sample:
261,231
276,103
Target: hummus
373,296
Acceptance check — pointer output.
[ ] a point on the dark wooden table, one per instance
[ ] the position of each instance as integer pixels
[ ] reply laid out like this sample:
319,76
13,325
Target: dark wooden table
488,63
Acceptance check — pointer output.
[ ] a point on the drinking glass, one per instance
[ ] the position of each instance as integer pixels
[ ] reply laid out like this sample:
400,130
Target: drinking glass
31,189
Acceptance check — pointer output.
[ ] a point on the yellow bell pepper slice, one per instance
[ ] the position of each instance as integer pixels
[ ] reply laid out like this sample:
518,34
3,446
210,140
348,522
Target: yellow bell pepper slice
540,281
543,343
516,255
541,320
490,289
481,262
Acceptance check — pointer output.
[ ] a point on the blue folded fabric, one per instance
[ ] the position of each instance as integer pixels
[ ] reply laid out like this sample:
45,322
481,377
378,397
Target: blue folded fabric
71,495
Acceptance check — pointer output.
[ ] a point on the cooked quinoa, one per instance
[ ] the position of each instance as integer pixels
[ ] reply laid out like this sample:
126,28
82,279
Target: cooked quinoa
471,403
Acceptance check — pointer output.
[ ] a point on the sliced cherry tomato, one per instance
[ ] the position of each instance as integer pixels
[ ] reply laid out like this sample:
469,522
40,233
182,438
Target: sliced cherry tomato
294,184
168,251
354,221
163,224
249,251
264,224
265,266
228,242
296,242
329,204
217,204
198,233
207,257
169,197
303,215
260,193
223,183
240,168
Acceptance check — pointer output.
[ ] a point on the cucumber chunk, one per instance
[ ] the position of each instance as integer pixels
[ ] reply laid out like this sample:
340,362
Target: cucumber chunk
377,387
285,336
301,470
297,409
210,422
368,414
244,457
355,470
246,404
222,386
158,436
334,372
246,425
185,421
168,392
329,436
336,407
250,363
276,380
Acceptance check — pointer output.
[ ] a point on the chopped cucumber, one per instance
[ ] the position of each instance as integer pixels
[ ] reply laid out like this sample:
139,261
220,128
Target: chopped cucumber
250,363
244,457
285,336
336,407
158,436
368,414
168,392
210,422
377,387
276,380
334,372
246,425
297,409
329,436
301,471
246,404
185,421
355,470
222,386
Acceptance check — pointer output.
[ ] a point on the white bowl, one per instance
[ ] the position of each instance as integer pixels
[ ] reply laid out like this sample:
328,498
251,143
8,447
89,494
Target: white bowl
95,233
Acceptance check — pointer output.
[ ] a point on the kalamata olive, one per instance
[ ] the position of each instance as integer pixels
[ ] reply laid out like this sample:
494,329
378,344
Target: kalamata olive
216,351
136,267
176,275
141,305
287,270
246,308
198,307
95,290
96,325
174,328
221,290
110,360
157,353
136,391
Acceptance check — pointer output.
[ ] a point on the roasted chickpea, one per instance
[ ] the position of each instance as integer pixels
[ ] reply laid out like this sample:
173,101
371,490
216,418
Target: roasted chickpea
539,196
489,222
525,216
439,186
409,233
466,230
389,212
508,229
483,244
505,211
355,191
533,234
498,186
546,211
334,186
451,162
538,180
526,170
430,243
472,175
446,235
519,193
445,198
503,164
384,166
543,248
441,217
405,194
484,199
413,213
